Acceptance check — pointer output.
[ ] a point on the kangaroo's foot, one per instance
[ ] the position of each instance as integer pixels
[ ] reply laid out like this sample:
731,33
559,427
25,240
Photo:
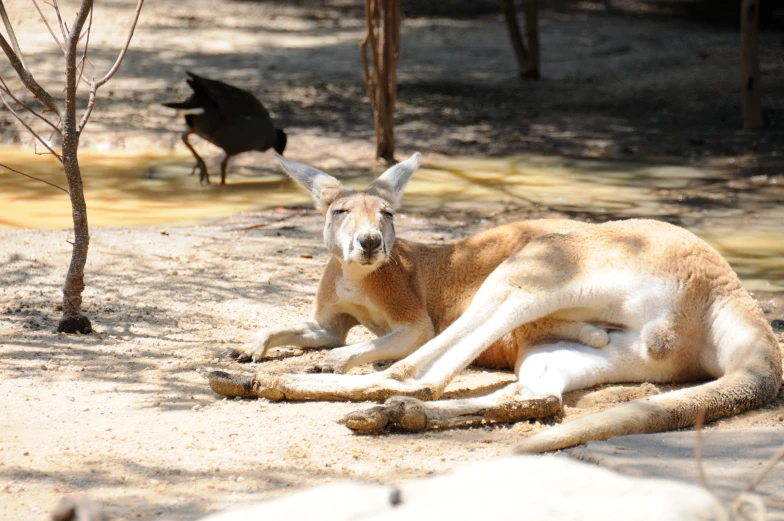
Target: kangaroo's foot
411,415
321,387
230,385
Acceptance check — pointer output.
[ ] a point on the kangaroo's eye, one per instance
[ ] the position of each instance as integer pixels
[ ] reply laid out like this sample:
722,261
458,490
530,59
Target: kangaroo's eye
337,212
387,213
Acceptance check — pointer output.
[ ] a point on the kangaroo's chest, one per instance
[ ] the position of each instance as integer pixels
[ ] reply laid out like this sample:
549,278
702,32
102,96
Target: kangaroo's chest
353,300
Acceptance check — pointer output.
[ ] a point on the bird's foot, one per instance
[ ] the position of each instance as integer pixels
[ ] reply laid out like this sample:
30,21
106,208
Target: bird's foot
204,178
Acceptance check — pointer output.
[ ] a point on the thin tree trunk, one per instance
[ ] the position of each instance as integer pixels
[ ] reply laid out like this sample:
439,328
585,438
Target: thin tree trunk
513,28
531,10
750,73
73,320
527,55
383,39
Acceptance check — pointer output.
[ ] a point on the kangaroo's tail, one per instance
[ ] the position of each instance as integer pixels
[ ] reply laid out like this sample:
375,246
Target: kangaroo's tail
743,389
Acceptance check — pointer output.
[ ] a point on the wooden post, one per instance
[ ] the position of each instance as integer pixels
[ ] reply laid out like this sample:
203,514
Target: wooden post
383,39
527,55
750,88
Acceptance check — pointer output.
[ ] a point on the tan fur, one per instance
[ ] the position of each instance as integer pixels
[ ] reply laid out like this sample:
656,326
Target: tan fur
563,303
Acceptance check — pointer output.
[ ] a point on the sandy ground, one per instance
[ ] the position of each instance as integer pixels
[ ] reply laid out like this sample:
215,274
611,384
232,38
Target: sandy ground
127,416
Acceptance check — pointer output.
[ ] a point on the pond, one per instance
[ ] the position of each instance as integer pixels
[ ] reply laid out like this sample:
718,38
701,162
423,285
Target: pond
740,217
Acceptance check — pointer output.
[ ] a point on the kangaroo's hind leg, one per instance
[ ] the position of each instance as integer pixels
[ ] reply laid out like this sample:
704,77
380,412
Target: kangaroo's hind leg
544,374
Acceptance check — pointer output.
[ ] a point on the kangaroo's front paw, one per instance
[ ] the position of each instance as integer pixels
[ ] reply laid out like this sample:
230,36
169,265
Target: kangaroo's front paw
237,354
331,363
253,350
322,367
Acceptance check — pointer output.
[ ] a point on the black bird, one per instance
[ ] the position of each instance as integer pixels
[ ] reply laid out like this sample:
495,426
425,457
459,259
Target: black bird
230,118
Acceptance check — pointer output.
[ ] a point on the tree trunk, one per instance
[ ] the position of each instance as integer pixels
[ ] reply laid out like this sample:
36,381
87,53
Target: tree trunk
383,38
531,10
73,320
527,55
750,88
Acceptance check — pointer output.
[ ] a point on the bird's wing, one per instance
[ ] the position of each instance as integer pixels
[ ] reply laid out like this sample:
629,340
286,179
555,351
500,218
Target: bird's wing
231,102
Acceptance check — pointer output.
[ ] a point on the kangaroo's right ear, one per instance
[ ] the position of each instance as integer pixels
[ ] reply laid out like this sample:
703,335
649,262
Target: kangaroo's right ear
390,184
322,187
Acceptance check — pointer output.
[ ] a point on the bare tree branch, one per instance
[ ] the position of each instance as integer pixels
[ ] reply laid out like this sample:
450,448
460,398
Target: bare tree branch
48,26
767,467
83,61
4,88
26,76
29,129
63,27
11,34
95,85
35,178
70,132
698,424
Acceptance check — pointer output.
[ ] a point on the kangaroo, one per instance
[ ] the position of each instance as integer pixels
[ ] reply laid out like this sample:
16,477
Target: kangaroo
565,304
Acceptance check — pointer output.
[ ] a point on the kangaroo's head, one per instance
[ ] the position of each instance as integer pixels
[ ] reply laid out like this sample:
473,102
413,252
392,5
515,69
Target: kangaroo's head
359,229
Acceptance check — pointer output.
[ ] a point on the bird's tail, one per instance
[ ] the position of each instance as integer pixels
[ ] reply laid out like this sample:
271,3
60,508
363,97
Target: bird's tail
195,101
190,103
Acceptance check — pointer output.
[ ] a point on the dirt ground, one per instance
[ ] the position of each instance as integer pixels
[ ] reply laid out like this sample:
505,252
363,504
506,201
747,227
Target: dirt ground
126,415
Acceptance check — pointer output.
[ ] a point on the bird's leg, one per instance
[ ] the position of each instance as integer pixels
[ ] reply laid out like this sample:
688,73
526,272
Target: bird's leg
224,164
204,178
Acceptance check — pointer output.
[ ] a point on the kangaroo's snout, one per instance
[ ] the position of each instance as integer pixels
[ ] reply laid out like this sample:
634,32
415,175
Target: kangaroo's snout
369,242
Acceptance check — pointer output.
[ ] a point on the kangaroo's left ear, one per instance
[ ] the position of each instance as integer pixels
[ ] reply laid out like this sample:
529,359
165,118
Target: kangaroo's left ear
322,187
390,184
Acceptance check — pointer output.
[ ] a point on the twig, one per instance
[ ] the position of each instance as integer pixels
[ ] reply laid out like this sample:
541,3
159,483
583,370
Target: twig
265,224
83,61
124,50
4,88
35,178
767,467
371,13
11,35
39,138
95,85
63,27
46,22
24,73
698,447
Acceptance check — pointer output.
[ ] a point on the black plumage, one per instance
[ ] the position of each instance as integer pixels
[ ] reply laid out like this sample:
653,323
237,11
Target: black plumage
231,118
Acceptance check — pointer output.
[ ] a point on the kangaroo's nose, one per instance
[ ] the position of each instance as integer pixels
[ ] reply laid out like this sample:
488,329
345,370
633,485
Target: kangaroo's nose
369,242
